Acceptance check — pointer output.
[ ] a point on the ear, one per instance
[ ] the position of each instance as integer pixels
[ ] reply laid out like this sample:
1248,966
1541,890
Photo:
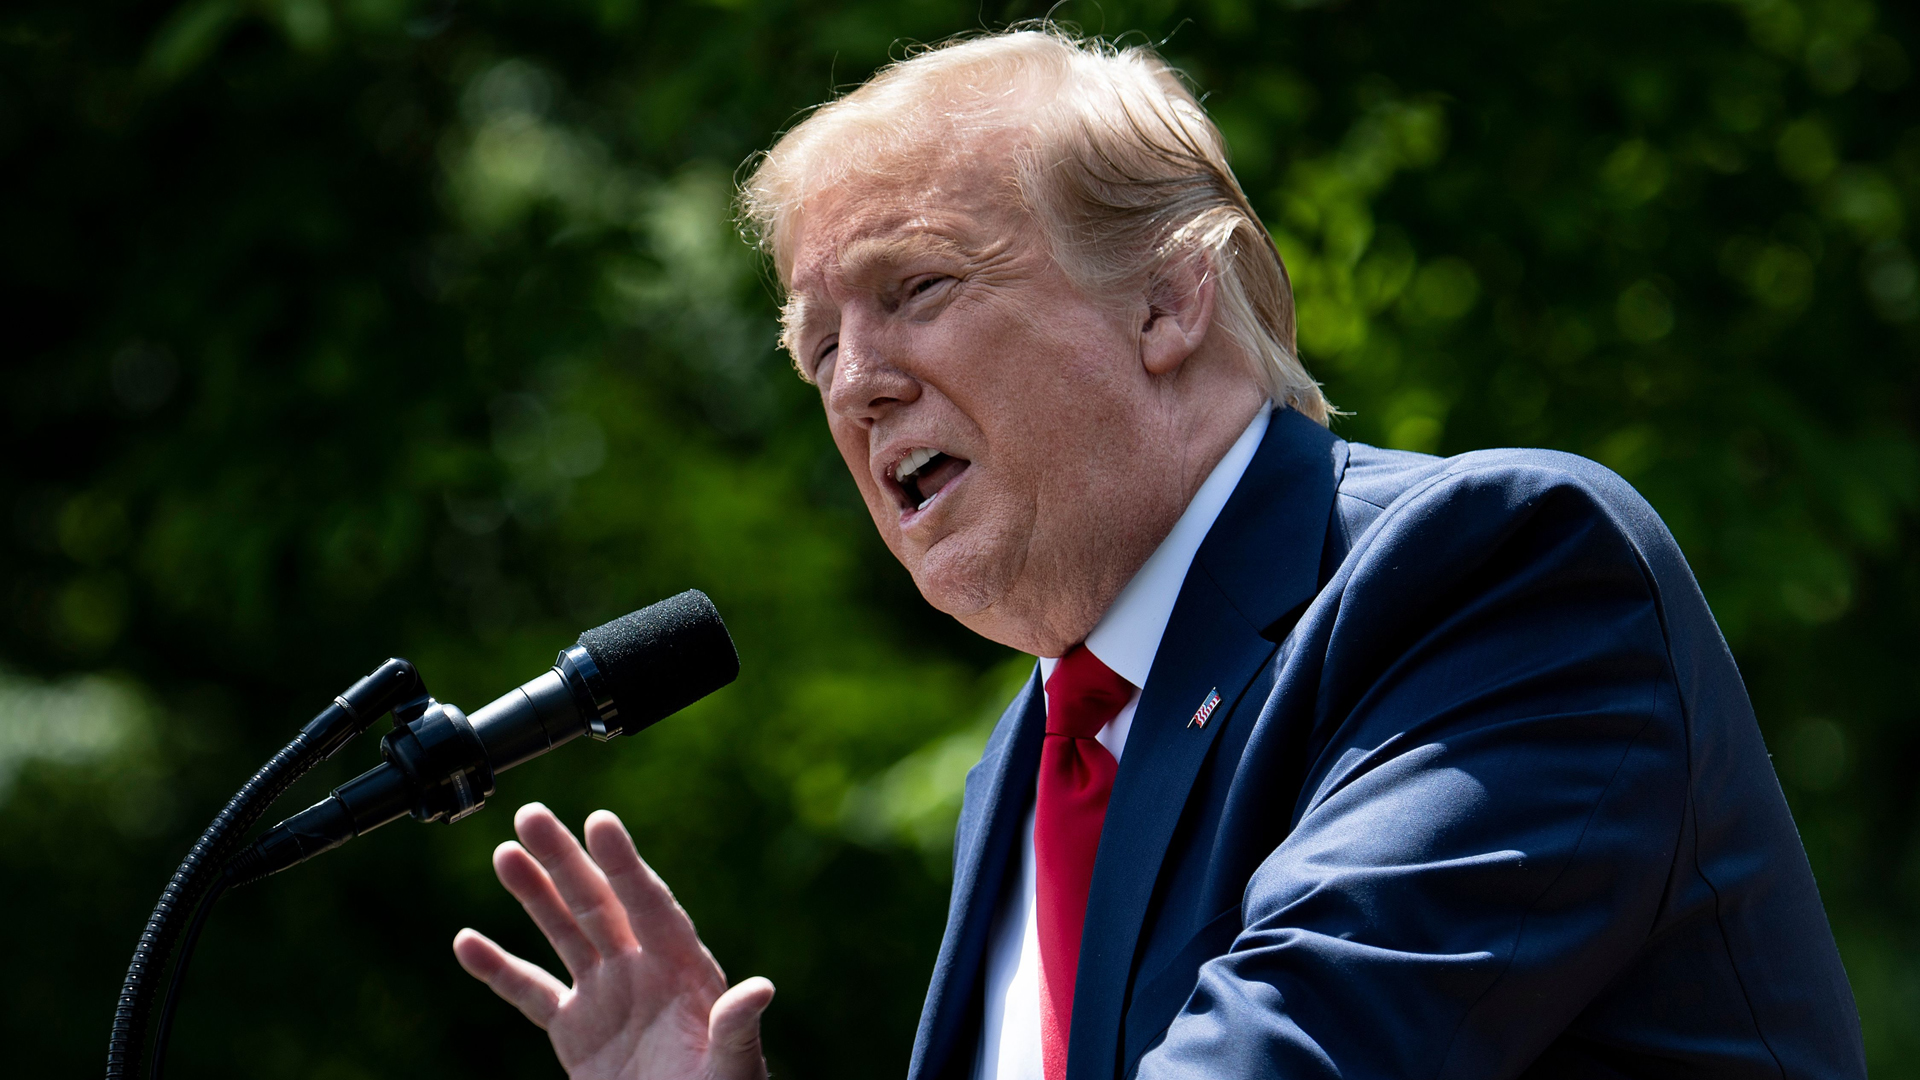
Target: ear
1179,312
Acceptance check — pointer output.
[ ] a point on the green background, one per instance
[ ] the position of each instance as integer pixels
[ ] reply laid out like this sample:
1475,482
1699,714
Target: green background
340,329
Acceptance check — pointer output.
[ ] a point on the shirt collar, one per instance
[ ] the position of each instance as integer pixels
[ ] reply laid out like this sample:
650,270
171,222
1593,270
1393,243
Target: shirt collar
1128,635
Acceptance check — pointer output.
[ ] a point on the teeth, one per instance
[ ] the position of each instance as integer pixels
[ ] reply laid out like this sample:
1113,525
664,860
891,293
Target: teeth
930,499
912,463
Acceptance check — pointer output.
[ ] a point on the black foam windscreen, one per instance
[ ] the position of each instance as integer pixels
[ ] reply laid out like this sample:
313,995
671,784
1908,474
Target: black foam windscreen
663,658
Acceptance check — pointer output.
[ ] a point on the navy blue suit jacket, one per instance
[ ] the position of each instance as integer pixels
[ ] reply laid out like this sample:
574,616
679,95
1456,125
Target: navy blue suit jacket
1484,798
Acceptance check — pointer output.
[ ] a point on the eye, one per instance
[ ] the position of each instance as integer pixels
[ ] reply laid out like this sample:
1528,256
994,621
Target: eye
825,352
922,286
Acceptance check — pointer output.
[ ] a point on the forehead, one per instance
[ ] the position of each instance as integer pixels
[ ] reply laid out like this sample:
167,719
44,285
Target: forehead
938,202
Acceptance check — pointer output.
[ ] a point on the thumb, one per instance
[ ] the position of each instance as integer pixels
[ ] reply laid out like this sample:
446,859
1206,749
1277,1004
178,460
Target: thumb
733,1031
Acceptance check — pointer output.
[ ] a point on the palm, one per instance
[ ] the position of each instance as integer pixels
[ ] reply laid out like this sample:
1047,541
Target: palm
598,1030
647,1000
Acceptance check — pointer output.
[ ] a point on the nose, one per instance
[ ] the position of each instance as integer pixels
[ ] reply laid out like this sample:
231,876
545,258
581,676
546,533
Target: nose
869,379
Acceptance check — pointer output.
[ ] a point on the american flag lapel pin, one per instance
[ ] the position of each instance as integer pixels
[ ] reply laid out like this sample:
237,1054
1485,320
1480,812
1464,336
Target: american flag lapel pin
1206,709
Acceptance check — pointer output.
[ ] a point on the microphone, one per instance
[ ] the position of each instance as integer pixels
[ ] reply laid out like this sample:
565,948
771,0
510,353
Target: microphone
440,763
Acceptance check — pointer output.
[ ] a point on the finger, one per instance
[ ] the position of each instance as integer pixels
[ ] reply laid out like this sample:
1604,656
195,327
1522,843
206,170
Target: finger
529,884
527,987
595,908
733,1031
656,918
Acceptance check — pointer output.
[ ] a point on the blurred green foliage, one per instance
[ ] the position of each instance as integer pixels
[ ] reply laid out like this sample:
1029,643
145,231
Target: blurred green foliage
348,328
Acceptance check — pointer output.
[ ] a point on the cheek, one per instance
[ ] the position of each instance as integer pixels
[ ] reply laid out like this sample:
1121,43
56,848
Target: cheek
986,367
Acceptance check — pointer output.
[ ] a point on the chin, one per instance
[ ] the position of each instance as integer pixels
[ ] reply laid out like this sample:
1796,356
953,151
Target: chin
960,580
977,587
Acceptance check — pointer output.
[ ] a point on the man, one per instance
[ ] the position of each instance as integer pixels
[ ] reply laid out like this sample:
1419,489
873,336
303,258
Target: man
1336,762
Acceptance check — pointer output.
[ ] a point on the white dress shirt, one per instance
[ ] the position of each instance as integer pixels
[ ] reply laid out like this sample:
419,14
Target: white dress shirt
1125,639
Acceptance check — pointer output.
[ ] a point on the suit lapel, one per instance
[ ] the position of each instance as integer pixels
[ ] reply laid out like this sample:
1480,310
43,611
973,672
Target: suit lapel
997,793
1258,564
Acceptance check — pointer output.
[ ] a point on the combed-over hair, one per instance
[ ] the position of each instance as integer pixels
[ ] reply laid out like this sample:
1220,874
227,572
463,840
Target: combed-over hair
1120,167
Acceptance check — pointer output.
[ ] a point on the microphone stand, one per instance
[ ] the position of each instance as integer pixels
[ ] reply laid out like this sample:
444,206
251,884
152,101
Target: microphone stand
204,874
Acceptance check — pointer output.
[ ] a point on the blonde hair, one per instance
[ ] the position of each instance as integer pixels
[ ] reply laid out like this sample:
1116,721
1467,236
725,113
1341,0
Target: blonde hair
1120,167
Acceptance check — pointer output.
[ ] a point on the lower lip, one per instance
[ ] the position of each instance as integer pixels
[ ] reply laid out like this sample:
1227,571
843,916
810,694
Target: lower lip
909,517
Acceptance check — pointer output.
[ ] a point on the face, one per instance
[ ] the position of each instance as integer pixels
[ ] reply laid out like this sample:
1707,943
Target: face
1011,447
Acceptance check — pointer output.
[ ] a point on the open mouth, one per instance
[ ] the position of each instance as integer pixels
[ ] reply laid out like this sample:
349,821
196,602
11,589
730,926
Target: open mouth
922,474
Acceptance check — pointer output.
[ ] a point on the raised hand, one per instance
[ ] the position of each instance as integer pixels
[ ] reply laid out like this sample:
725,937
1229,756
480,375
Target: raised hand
647,1000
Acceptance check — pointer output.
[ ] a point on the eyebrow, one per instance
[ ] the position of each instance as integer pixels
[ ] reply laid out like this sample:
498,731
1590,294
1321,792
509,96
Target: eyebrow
793,317
870,255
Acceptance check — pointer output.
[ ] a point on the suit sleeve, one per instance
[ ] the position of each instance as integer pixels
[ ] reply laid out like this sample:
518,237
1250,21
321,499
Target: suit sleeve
1494,796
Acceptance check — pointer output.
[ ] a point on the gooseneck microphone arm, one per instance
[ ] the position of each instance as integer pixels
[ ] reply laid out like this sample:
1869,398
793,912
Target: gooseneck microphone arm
439,765
350,714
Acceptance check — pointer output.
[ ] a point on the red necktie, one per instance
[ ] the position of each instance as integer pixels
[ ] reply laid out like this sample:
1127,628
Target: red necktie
1076,776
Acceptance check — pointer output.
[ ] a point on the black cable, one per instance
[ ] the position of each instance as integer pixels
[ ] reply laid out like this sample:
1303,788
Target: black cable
164,1028
198,874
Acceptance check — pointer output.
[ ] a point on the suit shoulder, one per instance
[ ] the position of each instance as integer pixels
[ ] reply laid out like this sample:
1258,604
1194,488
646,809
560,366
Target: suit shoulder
1393,501
1376,477
1398,481
1526,477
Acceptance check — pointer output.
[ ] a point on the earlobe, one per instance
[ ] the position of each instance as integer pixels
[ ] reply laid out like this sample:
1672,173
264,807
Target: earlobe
1180,301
